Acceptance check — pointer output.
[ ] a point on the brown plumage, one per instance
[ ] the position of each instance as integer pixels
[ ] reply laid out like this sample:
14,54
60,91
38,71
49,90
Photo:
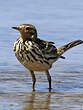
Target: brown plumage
36,54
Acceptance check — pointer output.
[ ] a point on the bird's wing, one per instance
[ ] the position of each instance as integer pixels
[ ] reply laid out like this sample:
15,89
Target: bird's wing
42,51
48,50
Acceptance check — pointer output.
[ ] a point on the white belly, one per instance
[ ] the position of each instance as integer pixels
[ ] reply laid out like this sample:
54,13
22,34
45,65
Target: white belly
36,66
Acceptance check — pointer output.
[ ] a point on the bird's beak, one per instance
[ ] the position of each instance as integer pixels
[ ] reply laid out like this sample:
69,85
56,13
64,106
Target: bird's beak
17,28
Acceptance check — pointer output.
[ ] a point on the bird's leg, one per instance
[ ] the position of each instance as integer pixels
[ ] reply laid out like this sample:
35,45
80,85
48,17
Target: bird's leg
33,79
49,79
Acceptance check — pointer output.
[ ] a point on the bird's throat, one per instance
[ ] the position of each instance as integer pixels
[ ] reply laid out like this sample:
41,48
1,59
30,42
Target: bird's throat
21,39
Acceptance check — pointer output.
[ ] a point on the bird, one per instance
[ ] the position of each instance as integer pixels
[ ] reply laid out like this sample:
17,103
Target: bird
38,55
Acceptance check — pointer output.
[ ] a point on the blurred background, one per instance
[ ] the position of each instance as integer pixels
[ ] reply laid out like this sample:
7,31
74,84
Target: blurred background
60,21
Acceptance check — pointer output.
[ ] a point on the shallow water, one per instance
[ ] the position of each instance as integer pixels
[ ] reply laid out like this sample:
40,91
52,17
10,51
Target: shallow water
58,21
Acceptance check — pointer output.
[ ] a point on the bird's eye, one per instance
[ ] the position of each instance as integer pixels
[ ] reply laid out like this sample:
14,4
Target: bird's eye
27,28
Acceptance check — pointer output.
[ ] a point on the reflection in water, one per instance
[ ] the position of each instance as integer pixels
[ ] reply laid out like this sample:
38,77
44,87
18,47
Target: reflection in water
38,101
52,101
15,93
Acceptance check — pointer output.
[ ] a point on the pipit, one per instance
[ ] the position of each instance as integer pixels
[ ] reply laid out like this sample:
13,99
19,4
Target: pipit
36,54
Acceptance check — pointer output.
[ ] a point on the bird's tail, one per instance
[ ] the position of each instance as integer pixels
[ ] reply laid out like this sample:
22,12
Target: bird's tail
66,47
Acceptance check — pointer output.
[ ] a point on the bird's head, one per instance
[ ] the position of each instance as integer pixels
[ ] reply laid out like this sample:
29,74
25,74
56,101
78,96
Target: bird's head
27,31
